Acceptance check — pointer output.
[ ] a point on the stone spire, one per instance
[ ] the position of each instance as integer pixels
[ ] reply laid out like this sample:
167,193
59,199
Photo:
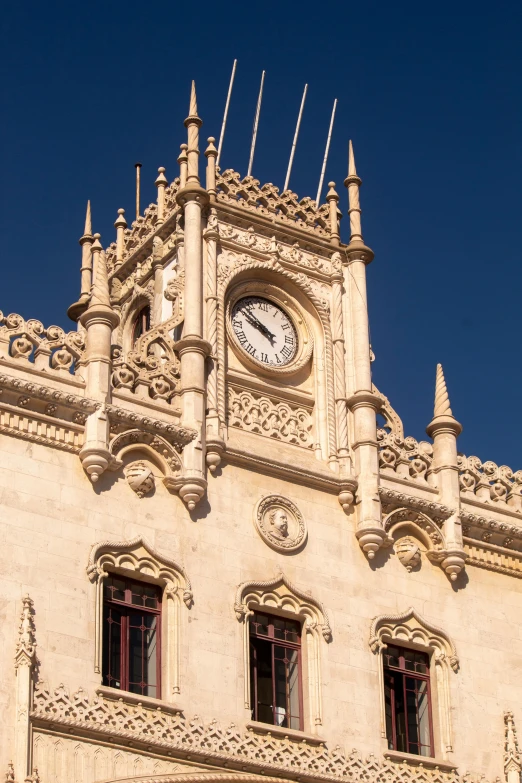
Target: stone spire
442,413
333,201
353,183
86,242
120,225
193,123
444,429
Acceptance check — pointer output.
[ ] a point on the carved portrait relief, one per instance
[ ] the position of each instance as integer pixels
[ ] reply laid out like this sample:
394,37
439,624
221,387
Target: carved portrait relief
280,523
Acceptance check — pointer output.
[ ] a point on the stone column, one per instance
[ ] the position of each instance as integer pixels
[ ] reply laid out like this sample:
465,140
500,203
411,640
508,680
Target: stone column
99,321
120,225
192,348
444,429
363,402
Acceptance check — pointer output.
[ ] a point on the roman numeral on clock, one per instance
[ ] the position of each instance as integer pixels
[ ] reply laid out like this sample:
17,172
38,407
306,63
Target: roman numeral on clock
251,350
286,352
289,339
241,336
285,325
264,357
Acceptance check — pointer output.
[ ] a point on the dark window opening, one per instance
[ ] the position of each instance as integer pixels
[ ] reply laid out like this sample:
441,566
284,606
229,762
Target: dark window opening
131,636
275,671
408,701
141,324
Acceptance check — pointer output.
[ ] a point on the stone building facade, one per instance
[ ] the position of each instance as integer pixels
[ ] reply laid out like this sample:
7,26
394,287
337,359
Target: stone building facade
221,558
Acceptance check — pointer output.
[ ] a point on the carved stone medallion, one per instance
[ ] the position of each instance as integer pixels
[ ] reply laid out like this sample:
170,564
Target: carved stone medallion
280,523
140,478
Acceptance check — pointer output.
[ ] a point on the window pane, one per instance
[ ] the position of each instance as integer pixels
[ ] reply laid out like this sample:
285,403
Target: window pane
279,628
293,688
400,713
423,708
144,595
112,647
391,656
114,589
259,624
388,708
421,663
263,673
151,655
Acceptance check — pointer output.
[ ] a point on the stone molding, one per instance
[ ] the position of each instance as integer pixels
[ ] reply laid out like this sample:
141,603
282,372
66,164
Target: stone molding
410,628
138,559
237,749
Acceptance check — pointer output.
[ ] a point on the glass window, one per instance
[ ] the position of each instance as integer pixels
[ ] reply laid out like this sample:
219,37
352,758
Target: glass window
275,671
407,701
131,636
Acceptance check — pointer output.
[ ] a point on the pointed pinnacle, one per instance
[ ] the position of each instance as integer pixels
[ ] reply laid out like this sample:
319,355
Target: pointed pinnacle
442,403
88,225
193,110
352,172
100,289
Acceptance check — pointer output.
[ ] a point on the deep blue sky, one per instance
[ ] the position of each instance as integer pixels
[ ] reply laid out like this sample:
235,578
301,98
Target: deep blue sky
430,94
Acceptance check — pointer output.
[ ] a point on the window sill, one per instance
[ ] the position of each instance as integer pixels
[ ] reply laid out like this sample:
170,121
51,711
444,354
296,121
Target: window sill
428,762
280,731
135,698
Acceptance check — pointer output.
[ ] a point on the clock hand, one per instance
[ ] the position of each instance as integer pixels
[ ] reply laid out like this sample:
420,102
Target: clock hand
262,328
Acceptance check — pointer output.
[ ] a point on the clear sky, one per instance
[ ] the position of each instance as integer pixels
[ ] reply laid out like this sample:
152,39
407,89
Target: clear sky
430,93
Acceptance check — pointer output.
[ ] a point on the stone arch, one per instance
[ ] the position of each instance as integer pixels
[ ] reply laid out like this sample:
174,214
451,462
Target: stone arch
137,559
411,629
142,297
281,595
156,448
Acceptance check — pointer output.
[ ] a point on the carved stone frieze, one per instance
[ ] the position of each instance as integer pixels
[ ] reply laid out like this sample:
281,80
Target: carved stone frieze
122,418
490,483
170,732
266,200
280,523
391,499
49,349
270,417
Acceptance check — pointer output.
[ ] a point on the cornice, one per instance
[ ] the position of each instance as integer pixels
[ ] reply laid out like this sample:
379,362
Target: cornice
40,391
171,432
429,507
285,470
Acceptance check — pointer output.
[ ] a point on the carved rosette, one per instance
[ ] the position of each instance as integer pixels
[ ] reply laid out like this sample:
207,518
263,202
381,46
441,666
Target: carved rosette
140,478
280,523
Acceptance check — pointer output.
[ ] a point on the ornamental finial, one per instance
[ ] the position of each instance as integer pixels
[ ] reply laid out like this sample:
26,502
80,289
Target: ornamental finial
26,645
442,403
193,109
353,183
88,225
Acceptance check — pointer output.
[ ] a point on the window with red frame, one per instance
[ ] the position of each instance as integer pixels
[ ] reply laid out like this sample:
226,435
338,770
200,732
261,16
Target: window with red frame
131,636
407,698
141,324
275,671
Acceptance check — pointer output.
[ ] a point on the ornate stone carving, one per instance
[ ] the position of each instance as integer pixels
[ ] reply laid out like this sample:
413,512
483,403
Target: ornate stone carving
49,348
280,523
392,499
272,418
408,553
26,644
140,478
167,731
266,200
512,760
490,483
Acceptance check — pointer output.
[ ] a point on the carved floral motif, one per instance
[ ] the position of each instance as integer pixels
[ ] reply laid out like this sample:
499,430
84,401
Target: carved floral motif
48,348
490,483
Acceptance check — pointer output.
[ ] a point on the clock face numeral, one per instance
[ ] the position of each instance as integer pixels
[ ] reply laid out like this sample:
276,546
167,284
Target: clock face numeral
264,330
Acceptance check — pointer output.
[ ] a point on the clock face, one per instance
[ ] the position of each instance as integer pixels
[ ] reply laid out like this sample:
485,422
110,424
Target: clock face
264,330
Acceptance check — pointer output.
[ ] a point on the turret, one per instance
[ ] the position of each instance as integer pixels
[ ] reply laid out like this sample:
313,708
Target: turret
86,242
363,402
99,320
444,429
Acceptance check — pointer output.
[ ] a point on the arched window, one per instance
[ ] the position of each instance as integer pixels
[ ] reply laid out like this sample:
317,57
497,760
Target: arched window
139,595
141,323
415,661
